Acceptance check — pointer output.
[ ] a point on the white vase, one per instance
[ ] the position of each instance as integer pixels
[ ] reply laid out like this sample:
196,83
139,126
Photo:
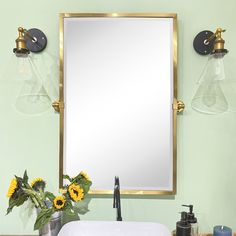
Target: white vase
53,227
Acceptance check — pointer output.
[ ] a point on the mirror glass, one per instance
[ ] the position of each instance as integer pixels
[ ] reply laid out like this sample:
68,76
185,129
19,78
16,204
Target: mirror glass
117,84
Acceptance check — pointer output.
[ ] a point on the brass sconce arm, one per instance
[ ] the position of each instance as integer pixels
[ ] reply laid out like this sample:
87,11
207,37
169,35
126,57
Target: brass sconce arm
207,42
21,48
216,35
32,40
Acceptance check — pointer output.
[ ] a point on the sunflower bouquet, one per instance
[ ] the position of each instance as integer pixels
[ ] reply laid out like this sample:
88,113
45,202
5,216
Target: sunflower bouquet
68,202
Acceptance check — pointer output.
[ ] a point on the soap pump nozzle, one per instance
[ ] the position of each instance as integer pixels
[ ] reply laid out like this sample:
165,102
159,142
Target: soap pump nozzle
190,208
190,215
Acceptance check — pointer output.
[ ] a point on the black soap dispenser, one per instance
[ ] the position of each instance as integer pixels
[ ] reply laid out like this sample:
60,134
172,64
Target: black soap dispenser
183,227
192,220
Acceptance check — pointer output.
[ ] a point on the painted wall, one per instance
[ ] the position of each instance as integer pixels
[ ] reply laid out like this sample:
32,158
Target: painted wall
206,154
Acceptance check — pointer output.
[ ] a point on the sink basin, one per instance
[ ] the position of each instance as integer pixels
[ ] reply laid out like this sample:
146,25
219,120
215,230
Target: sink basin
113,228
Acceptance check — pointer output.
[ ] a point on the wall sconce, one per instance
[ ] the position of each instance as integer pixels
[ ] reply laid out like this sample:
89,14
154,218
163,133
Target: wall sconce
209,97
33,97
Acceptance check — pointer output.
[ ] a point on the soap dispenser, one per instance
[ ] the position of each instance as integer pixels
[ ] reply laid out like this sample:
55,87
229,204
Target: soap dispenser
183,227
192,220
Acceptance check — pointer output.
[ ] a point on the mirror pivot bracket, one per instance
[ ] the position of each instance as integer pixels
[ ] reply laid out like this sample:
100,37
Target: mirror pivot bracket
179,106
58,105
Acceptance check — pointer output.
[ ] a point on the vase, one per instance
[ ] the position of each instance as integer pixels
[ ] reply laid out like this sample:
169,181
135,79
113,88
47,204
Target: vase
53,227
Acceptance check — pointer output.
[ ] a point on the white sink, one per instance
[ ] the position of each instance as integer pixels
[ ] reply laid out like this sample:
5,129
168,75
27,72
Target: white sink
113,228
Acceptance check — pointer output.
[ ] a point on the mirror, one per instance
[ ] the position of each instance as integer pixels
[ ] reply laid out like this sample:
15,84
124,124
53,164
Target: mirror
118,84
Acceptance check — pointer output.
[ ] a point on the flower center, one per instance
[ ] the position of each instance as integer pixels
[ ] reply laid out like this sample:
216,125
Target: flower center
59,202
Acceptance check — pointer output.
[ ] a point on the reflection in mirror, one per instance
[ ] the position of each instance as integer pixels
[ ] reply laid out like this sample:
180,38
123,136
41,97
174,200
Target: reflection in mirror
118,77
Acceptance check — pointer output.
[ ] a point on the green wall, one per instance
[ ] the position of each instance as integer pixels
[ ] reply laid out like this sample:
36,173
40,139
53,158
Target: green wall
206,154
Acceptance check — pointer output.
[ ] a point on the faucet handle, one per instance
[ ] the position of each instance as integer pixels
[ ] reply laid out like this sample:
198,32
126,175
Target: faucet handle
115,191
117,182
116,198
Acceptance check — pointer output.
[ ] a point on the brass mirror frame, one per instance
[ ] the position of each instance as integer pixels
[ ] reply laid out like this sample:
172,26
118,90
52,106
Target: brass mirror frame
177,105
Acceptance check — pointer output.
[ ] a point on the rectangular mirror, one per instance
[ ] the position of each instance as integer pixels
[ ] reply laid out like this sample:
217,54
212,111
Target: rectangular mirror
117,100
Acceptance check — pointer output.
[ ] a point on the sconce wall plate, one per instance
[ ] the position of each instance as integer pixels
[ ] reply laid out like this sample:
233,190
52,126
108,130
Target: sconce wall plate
201,44
36,40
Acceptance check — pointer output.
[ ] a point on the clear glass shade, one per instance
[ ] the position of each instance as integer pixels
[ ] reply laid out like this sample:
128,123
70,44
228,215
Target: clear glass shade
34,85
213,95
32,97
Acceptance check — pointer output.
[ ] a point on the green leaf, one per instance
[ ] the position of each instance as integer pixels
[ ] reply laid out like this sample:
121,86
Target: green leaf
43,218
67,177
19,181
16,201
86,186
81,207
50,196
25,177
69,215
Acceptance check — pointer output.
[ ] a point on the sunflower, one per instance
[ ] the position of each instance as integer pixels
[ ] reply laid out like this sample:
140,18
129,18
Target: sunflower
12,188
59,202
84,175
76,192
38,183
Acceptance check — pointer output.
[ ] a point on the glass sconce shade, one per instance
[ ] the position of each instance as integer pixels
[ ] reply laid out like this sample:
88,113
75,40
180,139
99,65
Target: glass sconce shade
33,77
209,97
32,97
216,90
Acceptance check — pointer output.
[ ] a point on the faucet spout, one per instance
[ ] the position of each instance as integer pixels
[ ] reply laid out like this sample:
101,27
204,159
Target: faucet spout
116,199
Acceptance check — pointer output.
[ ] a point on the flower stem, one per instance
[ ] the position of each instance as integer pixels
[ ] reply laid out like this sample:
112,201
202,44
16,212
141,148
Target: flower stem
35,198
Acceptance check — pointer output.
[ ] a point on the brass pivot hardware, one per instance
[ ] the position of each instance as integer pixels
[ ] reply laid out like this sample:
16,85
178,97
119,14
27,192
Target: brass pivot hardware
207,42
57,105
178,106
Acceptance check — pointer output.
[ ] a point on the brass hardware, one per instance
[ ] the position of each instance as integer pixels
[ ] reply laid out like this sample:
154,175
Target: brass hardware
57,105
178,106
21,49
32,40
218,41
206,42
20,41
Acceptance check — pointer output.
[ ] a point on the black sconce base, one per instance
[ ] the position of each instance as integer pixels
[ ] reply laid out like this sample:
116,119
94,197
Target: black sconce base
36,40
201,44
